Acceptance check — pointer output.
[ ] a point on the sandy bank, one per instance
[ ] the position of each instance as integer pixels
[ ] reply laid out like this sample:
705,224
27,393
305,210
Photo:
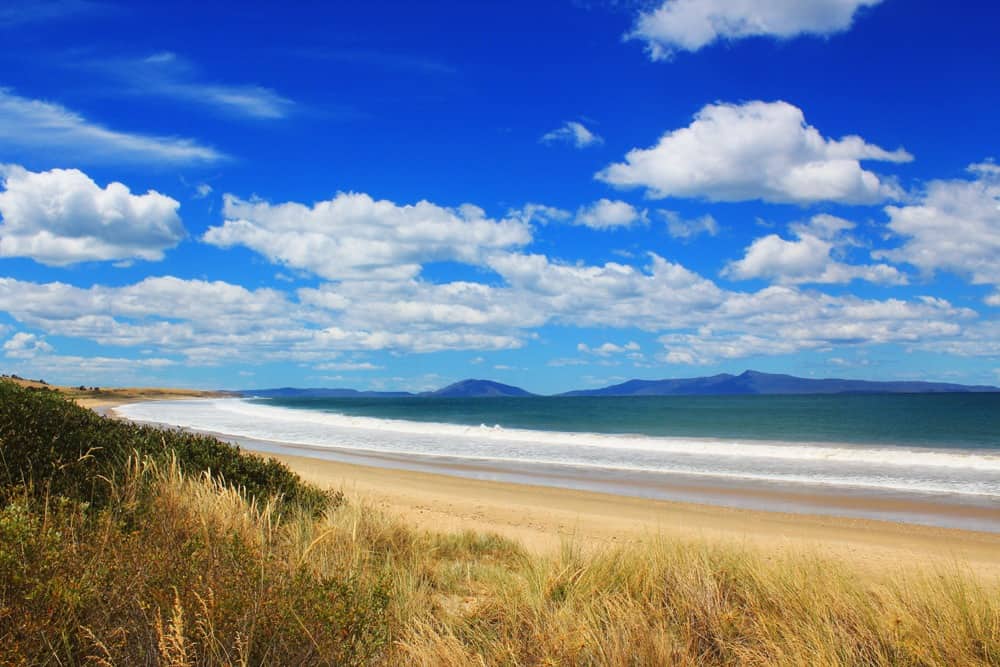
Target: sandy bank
109,397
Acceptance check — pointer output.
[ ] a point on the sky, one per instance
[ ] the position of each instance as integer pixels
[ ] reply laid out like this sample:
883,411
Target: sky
557,195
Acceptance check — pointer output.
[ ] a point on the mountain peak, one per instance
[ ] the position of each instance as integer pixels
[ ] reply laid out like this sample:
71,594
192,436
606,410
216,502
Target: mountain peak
473,388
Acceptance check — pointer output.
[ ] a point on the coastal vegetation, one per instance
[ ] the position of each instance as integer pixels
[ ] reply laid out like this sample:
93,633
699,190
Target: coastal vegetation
123,544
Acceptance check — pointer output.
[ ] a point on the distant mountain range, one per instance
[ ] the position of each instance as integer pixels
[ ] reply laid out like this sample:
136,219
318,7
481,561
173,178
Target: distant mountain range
724,384
755,382
463,389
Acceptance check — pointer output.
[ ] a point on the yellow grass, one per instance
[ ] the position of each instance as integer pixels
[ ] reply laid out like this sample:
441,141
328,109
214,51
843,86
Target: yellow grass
257,595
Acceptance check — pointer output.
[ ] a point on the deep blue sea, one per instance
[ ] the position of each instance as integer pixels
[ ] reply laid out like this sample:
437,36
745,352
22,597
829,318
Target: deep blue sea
934,420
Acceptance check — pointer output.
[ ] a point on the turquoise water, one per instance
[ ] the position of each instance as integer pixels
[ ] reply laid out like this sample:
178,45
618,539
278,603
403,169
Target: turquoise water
966,421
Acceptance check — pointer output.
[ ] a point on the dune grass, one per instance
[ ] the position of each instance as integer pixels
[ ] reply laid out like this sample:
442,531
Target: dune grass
177,566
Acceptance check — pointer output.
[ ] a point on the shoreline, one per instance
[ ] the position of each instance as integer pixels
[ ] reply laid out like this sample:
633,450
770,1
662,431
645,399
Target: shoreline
544,516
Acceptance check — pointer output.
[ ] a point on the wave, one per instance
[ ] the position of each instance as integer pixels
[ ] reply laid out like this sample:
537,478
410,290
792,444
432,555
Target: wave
895,468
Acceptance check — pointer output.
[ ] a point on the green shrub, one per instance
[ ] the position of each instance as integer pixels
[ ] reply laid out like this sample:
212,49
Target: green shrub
50,445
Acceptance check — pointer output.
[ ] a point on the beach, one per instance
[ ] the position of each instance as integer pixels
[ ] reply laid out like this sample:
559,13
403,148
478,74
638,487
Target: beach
455,496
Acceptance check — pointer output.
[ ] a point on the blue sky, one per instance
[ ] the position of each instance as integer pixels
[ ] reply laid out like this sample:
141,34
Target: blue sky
555,195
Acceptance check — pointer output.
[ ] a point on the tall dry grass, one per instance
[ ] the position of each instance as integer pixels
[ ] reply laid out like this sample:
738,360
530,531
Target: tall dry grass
191,572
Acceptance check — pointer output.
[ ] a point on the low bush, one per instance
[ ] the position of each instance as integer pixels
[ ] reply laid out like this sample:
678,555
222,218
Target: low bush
50,445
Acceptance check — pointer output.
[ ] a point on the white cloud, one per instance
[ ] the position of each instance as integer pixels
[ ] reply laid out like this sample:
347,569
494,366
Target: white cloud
687,229
782,320
756,150
25,346
61,217
562,362
168,75
616,295
166,313
539,213
202,190
689,25
810,258
572,132
34,125
608,349
420,341
47,10
607,214
355,236
954,226
705,323
99,370
349,366
212,322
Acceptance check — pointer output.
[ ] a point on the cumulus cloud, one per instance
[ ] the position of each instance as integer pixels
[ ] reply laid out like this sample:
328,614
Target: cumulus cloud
572,132
783,320
25,346
690,25
355,236
687,229
211,322
613,294
706,323
953,226
809,258
416,304
33,126
61,217
981,339
757,150
609,214
206,323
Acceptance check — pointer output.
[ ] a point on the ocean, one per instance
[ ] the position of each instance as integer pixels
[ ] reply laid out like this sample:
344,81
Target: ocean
927,449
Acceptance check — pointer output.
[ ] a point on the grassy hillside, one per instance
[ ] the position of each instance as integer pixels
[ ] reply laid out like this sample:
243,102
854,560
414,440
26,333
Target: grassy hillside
117,549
